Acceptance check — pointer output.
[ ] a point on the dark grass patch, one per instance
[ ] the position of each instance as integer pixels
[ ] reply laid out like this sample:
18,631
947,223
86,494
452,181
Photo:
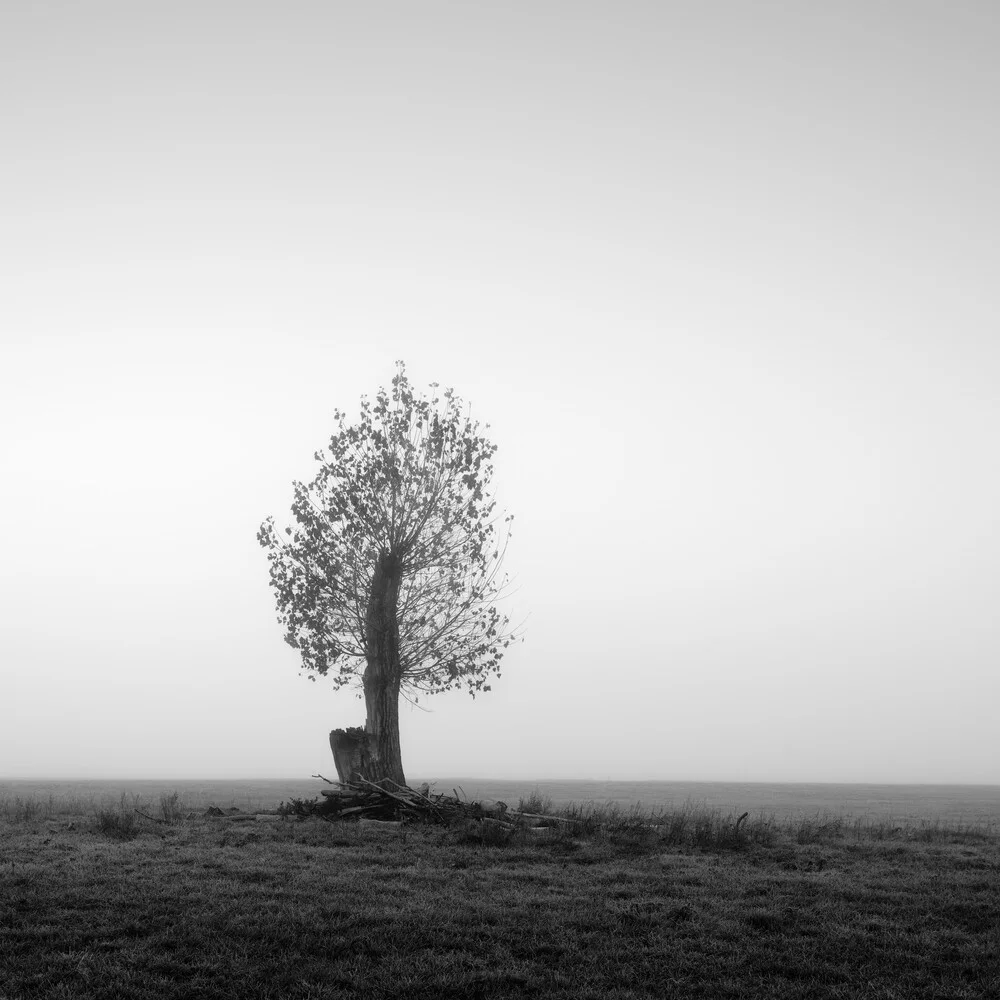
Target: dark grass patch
227,907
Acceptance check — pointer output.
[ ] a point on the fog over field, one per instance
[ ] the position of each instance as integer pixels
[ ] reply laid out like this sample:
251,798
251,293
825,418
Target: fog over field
721,277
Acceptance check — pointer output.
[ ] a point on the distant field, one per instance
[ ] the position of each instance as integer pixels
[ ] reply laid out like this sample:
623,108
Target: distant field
148,897
967,804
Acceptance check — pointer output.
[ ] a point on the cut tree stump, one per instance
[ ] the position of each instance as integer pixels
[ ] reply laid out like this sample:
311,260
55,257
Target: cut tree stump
350,753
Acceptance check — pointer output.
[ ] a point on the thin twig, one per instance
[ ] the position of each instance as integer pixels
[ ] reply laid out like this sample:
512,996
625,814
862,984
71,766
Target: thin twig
524,815
147,816
385,791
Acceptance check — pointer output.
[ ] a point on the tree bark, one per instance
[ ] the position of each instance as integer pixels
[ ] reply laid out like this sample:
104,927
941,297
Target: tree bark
383,674
350,753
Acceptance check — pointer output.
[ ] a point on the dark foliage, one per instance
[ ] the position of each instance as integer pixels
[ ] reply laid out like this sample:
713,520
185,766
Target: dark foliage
407,488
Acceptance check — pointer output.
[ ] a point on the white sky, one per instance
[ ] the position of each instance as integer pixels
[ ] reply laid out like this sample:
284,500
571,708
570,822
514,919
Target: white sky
723,278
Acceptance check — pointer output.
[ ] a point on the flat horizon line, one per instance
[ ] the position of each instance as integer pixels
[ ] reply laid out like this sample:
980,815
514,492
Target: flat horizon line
470,778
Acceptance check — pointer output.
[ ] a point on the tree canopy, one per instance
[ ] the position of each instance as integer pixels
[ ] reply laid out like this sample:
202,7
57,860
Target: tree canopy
392,571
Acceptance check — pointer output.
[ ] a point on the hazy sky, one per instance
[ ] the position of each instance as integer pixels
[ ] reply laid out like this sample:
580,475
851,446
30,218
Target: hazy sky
723,277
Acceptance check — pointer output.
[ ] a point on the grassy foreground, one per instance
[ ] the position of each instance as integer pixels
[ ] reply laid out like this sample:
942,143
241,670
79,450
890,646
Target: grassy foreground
135,899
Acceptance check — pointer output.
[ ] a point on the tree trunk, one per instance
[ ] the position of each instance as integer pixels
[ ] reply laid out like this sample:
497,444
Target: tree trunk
382,676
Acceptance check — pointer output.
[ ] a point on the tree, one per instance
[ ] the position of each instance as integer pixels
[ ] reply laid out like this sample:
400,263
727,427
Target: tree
393,569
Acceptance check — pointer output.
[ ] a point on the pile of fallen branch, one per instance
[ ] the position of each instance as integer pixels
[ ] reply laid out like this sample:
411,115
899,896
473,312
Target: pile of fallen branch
387,802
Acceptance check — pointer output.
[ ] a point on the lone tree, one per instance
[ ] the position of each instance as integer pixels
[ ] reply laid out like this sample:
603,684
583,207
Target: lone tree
393,569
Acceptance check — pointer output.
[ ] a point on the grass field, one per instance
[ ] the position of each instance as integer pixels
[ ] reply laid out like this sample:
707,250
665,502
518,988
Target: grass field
142,898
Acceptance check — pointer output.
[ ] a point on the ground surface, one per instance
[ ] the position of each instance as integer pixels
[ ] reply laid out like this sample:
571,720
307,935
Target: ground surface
239,906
